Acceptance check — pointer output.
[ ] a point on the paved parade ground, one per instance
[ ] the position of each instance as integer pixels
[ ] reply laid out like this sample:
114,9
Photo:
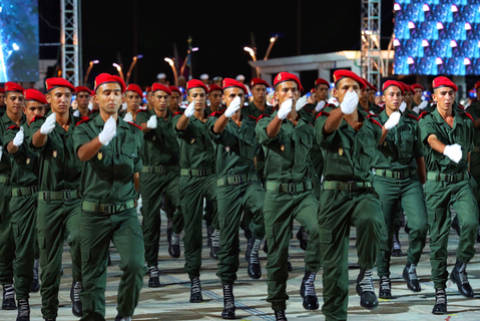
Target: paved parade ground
170,302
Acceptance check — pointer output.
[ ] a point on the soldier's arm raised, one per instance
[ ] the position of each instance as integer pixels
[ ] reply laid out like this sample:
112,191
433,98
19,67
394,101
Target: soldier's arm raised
182,122
273,127
220,124
436,144
39,139
333,121
88,150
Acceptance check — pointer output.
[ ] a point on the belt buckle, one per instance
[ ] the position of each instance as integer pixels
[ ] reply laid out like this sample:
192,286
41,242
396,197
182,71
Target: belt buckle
67,195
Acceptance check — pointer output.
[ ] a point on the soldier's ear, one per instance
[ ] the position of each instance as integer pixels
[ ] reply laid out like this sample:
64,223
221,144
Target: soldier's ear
48,96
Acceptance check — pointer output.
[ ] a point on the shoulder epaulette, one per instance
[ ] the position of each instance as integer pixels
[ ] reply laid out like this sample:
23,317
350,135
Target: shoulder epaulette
216,114
135,125
322,113
13,127
422,114
142,111
252,117
35,118
177,113
412,116
469,116
83,119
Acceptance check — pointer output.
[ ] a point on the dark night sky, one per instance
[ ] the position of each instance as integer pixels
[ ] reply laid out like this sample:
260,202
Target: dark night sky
115,31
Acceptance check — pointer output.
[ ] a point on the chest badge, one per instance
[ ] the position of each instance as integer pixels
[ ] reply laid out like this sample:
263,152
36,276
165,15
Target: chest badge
282,148
54,154
227,149
192,141
27,161
340,151
100,156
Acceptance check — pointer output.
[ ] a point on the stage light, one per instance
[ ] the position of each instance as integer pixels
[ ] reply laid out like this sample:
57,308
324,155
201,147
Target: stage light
15,46
397,7
438,61
410,61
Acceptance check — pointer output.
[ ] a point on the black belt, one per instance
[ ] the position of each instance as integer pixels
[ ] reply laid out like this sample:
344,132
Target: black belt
398,174
236,179
56,196
159,169
111,208
346,186
449,178
196,172
24,191
292,187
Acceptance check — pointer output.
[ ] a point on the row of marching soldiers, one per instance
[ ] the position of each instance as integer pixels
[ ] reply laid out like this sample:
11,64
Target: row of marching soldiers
330,165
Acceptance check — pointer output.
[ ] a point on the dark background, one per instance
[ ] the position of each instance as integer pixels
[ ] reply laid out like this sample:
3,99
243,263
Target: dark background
115,31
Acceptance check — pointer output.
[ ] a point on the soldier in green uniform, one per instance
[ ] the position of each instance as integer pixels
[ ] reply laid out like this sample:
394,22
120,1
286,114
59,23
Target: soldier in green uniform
287,140
197,178
132,98
23,204
258,106
348,139
399,172
11,119
58,206
159,176
83,96
238,189
448,136
110,149
215,93
174,100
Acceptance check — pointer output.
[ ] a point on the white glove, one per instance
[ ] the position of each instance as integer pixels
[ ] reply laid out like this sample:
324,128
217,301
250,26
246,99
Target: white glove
109,131
18,140
320,105
49,124
393,120
416,110
152,122
128,117
234,106
285,109
301,103
423,105
454,152
403,106
349,103
333,101
190,110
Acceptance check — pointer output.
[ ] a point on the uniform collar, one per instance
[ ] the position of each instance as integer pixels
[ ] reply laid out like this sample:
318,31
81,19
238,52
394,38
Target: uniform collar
438,118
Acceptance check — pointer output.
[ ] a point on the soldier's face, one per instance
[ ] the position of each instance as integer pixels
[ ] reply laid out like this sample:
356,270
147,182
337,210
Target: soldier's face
417,94
132,99
231,93
215,97
321,92
393,98
82,99
286,90
174,100
15,102
343,86
33,108
259,93
159,100
59,99
444,97
199,96
109,97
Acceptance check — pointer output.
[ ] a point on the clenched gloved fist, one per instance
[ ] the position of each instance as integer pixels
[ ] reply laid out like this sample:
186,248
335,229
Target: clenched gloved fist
152,122
190,110
349,103
109,131
235,105
393,120
18,140
454,152
285,109
49,125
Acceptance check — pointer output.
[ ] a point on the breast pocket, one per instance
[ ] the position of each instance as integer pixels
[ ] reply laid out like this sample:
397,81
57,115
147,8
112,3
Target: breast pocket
405,142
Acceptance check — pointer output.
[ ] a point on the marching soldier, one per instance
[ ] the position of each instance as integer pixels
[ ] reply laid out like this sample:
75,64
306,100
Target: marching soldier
197,179
174,100
110,149
347,198
58,206
238,189
215,98
133,99
448,136
258,106
399,172
10,120
83,95
159,176
23,204
287,140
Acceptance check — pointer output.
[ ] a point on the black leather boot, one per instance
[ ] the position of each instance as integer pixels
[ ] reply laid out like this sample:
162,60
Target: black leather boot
196,291
385,291
8,302
254,267
460,277
307,291
410,275
75,291
366,290
23,310
228,312
154,278
440,306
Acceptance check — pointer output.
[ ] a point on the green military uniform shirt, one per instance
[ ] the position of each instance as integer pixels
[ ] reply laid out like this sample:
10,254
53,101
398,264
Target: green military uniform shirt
60,169
348,154
160,145
462,133
252,112
108,176
402,146
6,124
287,155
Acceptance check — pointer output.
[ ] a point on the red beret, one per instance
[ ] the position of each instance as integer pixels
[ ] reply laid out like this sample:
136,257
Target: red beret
157,86
321,81
230,82
83,88
258,81
344,73
104,78
2,90
286,76
33,94
477,84
55,82
415,86
443,82
214,87
135,88
406,87
175,88
395,83
195,83
13,86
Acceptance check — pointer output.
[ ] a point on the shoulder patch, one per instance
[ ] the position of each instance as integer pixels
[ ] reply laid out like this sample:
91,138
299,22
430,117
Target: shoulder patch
135,125
261,116
83,119
373,120
252,117
142,111
322,113
469,116
177,113
35,118
216,114
412,116
422,114
13,127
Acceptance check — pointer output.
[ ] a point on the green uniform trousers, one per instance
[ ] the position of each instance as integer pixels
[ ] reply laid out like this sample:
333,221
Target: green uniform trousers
340,210
124,230
57,220
232,201
439,197
24,212
395,195
193,191
279,211
152,186
7,244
